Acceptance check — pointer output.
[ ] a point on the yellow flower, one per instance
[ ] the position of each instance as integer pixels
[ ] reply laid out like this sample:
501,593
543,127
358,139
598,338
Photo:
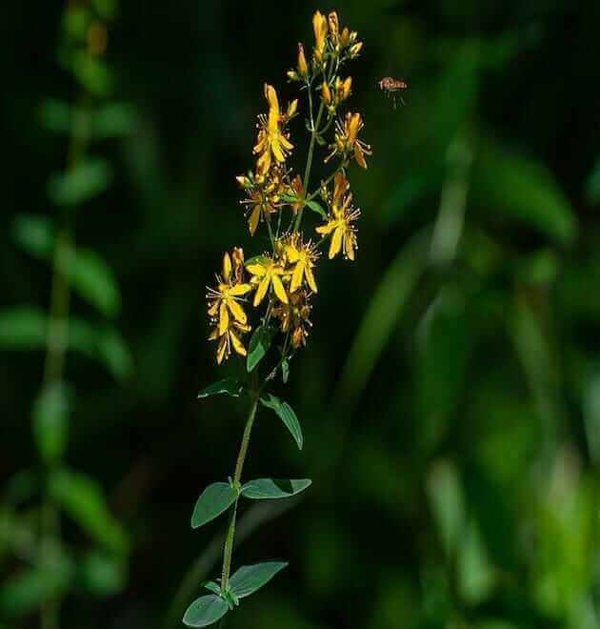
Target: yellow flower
320,29
267,272
228,339
346,140
271,141
223,303
340,223
294,317
264,193
302,257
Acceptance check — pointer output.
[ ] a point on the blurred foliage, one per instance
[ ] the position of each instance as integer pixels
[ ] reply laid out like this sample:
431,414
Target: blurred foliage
451,410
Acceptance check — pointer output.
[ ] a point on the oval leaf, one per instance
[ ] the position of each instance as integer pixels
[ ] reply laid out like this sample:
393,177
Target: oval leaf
205,611
215,499
316,207
272,488
285,412
50,421
258,347
88,180
229,386
249,579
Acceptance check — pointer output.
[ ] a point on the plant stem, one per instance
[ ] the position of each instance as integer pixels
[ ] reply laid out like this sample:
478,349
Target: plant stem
314,127
239,466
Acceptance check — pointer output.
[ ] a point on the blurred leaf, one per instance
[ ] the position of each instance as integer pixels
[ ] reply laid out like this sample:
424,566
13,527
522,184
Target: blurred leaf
89,179
205,611
507,183
93,279
592,188
113,120
249,579
269,488
103,574
22,327
88,273
34,234
83,500
229,386
285,412
23,593
213,501
591,414
92,73
260,341
51,421
475,573
104,121
76,21
382,313
106,9
447,503
113,352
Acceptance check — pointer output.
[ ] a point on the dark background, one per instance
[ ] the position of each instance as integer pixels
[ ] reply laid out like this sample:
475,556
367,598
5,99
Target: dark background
450,391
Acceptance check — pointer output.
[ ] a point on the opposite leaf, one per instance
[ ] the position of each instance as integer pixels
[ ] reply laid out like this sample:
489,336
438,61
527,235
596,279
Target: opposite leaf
285,412
258,347
205,611
229,386
215,499
249,579
270,488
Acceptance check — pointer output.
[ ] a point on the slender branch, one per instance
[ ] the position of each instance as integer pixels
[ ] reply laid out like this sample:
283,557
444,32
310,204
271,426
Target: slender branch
239,466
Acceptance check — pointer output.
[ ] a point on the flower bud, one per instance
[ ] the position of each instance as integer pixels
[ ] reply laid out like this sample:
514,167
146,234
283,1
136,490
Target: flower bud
326,93
302,65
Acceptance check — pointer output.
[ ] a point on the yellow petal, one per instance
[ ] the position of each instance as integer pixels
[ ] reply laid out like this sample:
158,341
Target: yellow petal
226,267
261,291
277,150
238,346
325,229
253,220
236,310
240,289
296,279
256,269
310,279
336,243
279,290
223,318
221,349
349,244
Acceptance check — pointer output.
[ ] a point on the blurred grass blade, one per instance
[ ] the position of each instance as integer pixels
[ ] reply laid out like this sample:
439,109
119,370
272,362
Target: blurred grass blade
508,183
380,319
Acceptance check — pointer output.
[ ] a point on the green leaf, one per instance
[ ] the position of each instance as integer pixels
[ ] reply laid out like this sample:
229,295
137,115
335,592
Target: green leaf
213,587
83,500
113,120
285,412
22,327
258,347
85,182
249,579
50,421
205,611
269,488
229,386
213,501
113,352
285,370
316,207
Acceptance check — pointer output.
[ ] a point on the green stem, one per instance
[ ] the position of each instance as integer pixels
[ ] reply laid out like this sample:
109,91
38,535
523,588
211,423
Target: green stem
314,126
239,466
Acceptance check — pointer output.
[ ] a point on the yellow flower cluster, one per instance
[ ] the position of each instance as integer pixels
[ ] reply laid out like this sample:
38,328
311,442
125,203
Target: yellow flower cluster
273,290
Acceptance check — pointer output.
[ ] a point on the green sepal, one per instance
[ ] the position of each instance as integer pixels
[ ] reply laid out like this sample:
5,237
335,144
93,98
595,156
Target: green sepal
229,386
213,501
285,412
274,488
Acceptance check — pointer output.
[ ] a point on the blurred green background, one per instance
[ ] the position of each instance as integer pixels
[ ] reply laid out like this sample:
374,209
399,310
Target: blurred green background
450,392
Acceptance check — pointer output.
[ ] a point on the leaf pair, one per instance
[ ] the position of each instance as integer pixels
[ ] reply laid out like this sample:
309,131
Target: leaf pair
210,608
218,497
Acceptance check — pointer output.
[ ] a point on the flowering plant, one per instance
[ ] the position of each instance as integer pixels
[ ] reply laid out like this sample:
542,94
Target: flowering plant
267,298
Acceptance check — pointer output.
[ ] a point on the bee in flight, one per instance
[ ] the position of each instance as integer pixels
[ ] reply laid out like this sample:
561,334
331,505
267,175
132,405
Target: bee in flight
393,87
